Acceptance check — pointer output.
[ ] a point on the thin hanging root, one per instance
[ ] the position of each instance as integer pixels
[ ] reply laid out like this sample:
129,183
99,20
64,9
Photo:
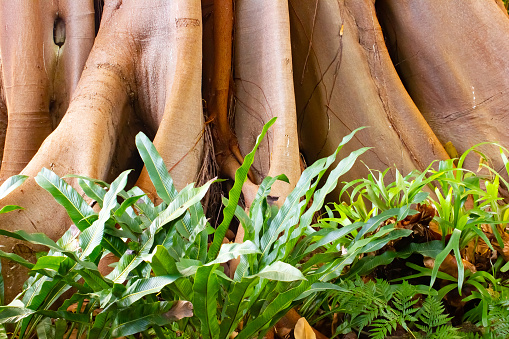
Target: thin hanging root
225,141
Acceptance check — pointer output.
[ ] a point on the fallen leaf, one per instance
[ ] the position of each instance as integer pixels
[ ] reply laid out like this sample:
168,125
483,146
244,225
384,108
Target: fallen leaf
182,309
303,330
449,265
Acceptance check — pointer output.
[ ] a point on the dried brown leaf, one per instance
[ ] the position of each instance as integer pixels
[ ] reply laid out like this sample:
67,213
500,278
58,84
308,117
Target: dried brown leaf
182,309
303,330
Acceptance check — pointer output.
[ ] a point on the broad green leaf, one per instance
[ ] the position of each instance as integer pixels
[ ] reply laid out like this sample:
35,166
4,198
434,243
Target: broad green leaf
162,263
92,190
140,317
206,289
377,240
280,271
451,245
253,225
94,279
14,312
289,214
69,316
331,236
236,305
157,170
49,262
126,204
319,197
234,194
233,250
42,239
143,287
188,267
45,329
279,305
320,286
185,199
365,265
11,184
505,268
76,207
375,221
377,244
100,328
92,236
16,258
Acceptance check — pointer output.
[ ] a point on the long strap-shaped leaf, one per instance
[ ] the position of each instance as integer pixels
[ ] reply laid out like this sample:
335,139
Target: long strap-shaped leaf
205,300
236,305
290,212
163,264
234,194
186,198
288,241
281,303
157,170
65,195
92,236
11,184
138,318
42,239
143,287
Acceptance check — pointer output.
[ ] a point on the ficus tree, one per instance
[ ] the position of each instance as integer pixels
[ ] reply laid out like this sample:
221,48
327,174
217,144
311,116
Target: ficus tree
81,78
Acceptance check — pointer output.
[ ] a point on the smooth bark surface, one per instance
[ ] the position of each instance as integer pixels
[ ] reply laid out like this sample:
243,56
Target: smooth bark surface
344,79
452,58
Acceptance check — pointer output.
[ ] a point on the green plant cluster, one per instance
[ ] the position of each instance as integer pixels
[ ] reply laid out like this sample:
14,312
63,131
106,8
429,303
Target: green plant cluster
467,211
169,280
164,258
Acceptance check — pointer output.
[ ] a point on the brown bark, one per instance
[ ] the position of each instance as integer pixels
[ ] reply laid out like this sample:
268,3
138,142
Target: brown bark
111,98
42,60
451,57
264,89
344,79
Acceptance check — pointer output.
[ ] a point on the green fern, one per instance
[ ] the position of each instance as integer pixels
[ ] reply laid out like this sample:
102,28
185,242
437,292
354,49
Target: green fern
385,325
435,323
498,316
402,312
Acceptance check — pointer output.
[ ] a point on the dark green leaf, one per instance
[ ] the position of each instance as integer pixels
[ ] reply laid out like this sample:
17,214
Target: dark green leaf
15,258
157,170
234,194
140,317
65,195
236,305
143,287
206,289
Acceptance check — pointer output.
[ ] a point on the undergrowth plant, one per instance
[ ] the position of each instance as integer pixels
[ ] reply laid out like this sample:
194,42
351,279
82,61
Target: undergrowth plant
169,279
446,210
165,262
377,308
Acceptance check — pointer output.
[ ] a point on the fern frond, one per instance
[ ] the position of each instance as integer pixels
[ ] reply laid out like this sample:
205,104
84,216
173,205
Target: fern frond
498,316
385,325
432,315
